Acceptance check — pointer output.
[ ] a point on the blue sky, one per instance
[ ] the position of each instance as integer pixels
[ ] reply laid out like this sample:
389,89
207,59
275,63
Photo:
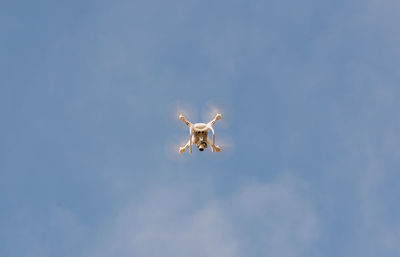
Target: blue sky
88,97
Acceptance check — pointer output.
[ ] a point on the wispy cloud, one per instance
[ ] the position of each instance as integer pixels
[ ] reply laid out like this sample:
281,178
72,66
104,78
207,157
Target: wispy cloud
269,219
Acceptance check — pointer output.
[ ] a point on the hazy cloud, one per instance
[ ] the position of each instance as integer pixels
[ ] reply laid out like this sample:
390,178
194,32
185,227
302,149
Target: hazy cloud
268,219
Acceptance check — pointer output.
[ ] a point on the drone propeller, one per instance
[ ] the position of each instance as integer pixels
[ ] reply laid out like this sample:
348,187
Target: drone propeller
226,143
186,109
210,110
172,149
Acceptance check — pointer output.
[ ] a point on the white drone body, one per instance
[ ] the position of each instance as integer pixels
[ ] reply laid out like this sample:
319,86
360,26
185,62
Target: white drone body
199,135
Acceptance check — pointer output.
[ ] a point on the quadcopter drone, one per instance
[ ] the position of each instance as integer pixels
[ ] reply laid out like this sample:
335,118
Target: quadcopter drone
199,135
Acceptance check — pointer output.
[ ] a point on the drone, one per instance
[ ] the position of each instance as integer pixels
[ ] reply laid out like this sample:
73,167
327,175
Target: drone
199,135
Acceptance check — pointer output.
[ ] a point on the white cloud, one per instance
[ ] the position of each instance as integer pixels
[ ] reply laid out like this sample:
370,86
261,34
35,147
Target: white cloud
270,219
166,223
281,215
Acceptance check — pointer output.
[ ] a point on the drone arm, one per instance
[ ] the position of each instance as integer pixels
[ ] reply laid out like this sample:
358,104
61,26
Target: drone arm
183,148
184,120
217,118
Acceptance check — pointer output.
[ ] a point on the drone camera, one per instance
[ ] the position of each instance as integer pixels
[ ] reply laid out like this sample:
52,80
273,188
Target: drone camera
202,146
